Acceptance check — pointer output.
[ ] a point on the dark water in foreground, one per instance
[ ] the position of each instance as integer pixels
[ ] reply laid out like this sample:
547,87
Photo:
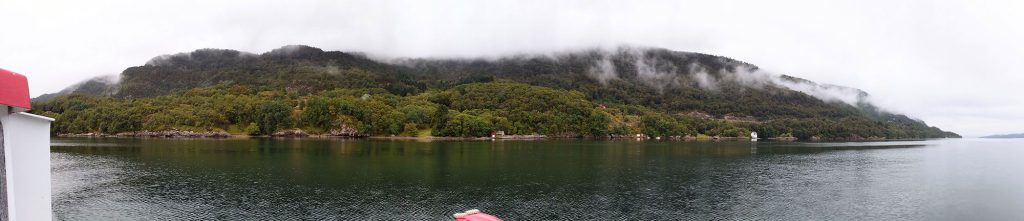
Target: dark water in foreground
264,179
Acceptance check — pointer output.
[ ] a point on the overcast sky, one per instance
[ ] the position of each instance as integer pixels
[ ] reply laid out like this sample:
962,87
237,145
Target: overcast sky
950,63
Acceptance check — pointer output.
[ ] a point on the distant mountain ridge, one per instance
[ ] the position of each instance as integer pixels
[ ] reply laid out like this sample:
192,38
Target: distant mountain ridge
1019,135
102,85
645,69
670,81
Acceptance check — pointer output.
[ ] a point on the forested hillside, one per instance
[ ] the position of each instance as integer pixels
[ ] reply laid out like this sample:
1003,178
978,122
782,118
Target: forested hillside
591,93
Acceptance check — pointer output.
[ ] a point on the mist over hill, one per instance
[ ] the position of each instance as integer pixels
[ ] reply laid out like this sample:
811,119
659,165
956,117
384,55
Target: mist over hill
102,85
695,94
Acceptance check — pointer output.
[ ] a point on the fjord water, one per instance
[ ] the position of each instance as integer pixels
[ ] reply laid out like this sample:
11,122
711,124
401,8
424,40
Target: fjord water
322,179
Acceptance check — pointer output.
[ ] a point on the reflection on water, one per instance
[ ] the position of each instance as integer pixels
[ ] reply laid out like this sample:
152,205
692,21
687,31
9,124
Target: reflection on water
527,180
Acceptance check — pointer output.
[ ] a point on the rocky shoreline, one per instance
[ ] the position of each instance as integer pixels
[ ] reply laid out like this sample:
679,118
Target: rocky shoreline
352,133
178,133
501,137
344,132
170,133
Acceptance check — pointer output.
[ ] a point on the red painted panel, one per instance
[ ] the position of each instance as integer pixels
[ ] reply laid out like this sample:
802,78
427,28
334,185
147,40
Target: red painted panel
14,89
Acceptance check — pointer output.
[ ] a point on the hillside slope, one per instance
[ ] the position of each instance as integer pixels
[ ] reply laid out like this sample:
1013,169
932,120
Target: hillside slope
638,88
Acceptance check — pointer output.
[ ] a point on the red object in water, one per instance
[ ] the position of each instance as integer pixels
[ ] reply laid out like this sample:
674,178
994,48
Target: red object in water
475,215
14,90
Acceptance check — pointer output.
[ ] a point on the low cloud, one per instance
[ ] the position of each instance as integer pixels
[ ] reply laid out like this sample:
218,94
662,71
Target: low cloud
603,70
660,73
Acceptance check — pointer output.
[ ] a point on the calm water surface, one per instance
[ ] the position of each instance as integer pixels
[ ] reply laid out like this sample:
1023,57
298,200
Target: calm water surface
267,179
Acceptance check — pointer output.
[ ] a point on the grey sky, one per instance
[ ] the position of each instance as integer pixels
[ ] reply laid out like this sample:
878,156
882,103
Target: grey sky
950,63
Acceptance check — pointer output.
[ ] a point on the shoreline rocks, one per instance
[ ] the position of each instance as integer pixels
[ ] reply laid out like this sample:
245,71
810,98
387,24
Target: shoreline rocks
344,131
290,133
173,133
786,139
520,137
347,132
169,133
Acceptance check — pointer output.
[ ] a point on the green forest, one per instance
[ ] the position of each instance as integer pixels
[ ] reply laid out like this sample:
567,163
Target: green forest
300,87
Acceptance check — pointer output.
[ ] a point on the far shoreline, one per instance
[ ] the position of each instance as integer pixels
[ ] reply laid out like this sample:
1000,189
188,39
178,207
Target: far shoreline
435,138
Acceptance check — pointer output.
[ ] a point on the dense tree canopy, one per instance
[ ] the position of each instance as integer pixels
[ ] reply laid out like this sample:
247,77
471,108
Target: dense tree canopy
475,109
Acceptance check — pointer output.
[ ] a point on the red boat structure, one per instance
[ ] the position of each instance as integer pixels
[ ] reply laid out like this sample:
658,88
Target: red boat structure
475,215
